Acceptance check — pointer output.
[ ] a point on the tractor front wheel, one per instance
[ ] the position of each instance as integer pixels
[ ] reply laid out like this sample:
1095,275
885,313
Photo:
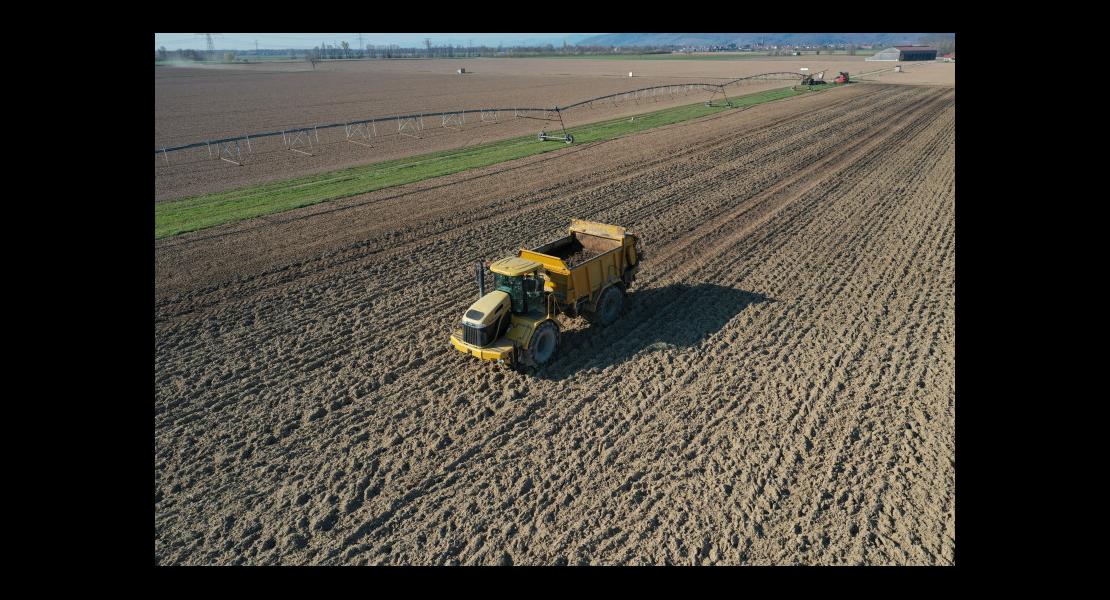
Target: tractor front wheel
542,346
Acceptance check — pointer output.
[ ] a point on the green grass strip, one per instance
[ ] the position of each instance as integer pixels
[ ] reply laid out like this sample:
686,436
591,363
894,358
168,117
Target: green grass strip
199,212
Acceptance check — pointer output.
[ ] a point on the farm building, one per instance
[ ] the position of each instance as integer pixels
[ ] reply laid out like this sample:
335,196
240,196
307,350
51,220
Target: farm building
906,53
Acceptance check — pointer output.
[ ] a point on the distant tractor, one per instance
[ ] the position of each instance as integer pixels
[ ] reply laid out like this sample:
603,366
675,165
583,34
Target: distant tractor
584,274
818,79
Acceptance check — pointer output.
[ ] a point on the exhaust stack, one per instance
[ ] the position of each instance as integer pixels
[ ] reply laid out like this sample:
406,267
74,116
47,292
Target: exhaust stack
481,279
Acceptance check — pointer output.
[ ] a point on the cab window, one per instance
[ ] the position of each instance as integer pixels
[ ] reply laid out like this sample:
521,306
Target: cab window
524,296
511,286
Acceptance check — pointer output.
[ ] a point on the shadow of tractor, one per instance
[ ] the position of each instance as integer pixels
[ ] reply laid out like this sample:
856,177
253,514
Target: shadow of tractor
674,316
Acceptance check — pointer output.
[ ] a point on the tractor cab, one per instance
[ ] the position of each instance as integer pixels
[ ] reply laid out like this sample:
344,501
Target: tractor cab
522,280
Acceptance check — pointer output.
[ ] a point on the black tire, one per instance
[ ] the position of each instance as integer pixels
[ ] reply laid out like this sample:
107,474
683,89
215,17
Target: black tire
542,135
609,306
543,345
569,139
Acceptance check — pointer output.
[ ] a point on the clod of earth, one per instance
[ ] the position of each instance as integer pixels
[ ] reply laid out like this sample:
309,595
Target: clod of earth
780,390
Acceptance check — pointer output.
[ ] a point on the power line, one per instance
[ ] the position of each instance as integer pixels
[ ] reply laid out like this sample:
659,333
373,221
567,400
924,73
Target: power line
208,38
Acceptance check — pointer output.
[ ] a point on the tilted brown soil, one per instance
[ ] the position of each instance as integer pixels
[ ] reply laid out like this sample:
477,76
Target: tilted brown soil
913,73
580,257
780,389
197,104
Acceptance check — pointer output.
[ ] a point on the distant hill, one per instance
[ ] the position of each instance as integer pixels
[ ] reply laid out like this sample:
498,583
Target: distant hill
541,40
740,39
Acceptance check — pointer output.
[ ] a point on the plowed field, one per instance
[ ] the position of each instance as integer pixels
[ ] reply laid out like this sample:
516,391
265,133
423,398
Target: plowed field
197,104
780,389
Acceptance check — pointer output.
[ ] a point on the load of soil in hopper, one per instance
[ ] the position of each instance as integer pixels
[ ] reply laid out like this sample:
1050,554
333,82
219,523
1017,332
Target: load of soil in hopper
573,252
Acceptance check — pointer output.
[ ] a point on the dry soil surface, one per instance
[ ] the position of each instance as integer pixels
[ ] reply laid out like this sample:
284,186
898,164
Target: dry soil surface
197,104
913,73
780,389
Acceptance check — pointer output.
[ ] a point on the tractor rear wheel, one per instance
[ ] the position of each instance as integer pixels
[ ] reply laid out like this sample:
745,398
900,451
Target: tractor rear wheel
609,306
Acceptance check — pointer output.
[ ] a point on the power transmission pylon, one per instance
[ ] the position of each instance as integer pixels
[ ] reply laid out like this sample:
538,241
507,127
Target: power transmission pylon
211,45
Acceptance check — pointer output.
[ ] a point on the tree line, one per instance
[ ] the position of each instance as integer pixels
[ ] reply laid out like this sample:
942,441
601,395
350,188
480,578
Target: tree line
344,50
944,43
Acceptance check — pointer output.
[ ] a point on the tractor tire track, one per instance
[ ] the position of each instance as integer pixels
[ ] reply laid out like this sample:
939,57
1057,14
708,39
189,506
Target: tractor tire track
308,412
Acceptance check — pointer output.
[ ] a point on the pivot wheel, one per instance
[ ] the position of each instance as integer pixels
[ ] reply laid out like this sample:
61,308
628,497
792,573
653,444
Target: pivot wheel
545,339
609,305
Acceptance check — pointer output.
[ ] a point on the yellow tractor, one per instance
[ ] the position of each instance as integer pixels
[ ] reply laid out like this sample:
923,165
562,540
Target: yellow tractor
586,273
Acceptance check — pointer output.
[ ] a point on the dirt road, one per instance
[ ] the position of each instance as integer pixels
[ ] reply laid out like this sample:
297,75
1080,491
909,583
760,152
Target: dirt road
779,391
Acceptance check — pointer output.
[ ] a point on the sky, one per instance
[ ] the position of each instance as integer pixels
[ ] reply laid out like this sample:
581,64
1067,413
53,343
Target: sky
282,41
